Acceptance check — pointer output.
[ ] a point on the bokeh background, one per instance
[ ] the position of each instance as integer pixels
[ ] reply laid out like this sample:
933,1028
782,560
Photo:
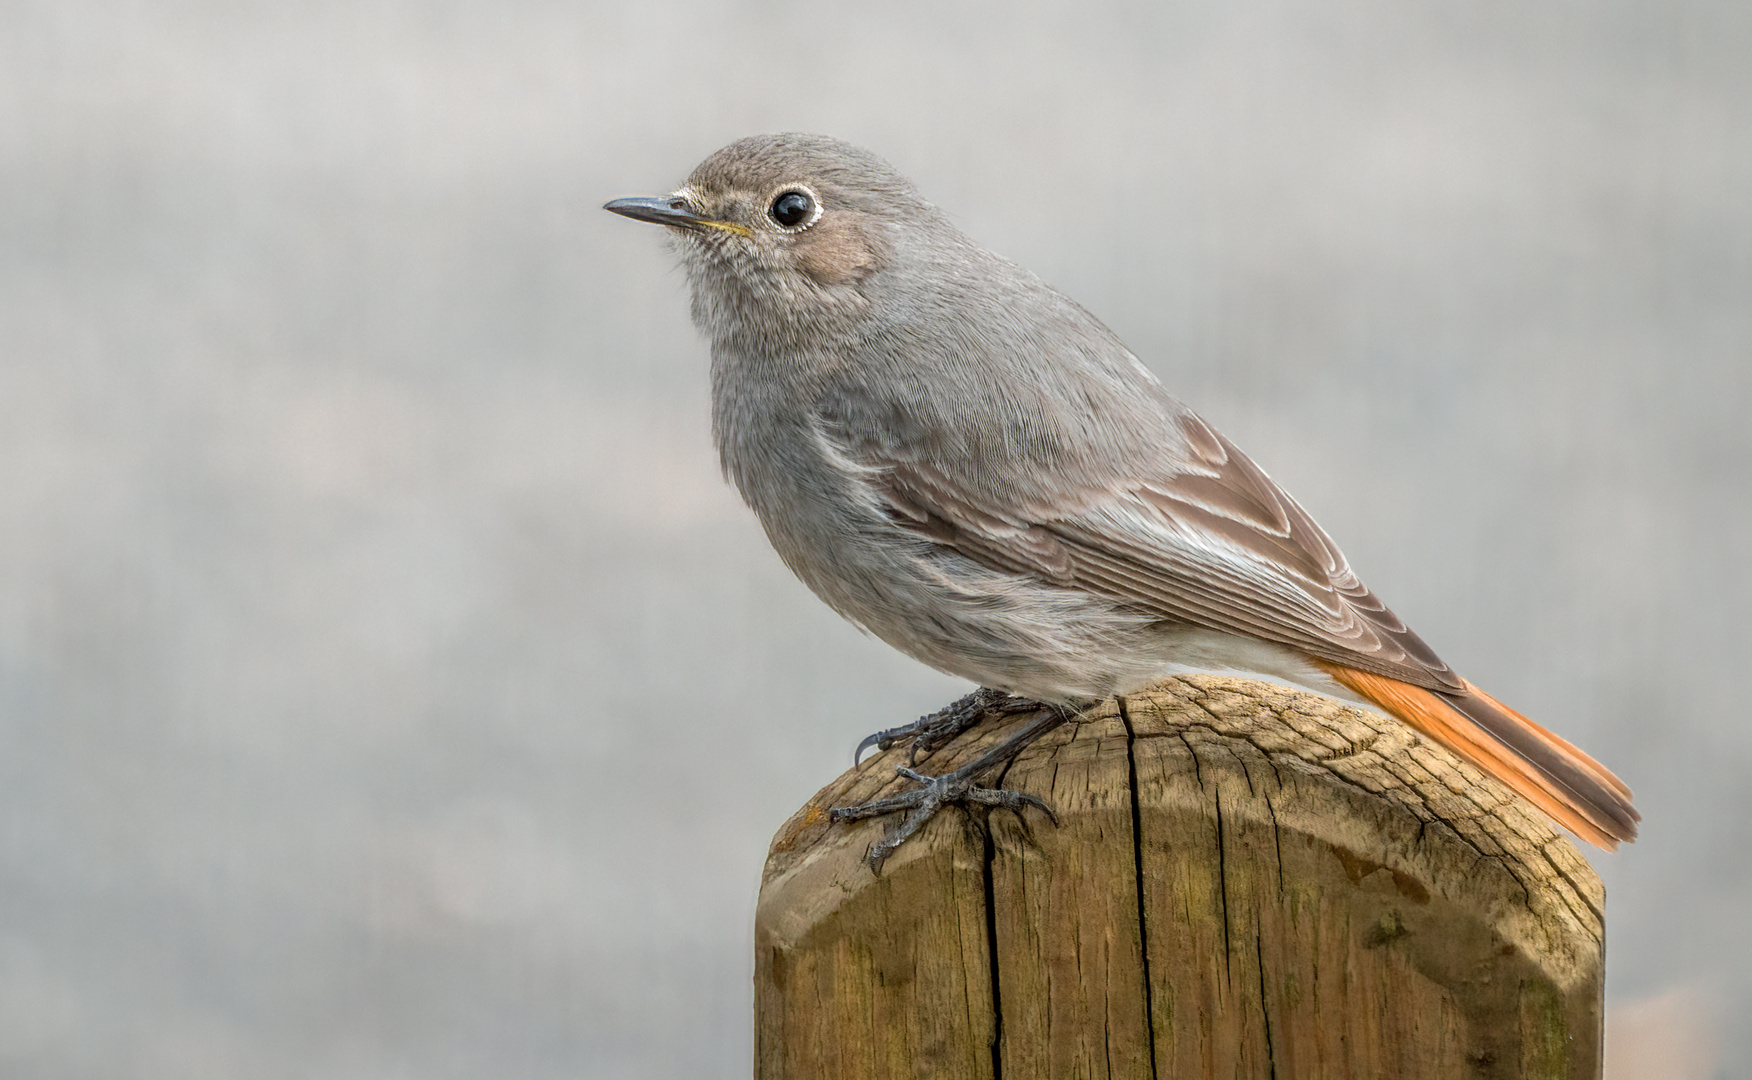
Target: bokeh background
390,688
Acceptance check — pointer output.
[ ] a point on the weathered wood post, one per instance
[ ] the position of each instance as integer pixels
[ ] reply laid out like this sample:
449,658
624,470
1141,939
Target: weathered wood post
1248,881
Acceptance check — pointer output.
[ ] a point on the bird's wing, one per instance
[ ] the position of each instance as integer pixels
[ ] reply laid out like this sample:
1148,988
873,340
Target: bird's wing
1211,541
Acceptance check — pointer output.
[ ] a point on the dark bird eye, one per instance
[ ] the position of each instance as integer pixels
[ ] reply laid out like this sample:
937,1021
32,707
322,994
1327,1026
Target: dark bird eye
792,208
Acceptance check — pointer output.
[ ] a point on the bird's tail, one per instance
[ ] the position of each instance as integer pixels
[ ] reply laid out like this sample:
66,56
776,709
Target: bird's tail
1578,792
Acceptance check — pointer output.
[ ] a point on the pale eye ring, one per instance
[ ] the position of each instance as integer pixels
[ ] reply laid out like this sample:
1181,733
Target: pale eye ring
792,209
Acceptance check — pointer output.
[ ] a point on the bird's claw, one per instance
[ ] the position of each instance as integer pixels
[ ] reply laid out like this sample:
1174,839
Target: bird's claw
931,732
921,804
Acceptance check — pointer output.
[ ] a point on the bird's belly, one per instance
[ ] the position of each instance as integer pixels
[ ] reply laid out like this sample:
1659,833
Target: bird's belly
1020,633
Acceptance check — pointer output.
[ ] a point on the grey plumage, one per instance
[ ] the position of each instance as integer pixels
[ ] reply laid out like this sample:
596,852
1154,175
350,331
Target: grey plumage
967,464
964,462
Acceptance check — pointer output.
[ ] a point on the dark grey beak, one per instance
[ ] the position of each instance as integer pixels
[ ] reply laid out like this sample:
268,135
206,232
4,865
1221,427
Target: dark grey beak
659,209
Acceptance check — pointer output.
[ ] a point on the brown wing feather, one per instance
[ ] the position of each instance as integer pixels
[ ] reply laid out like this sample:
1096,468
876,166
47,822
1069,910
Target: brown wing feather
1214,543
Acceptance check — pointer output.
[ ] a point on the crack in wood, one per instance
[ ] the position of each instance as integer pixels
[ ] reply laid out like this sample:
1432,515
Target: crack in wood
1264,1004
1137,823
991,928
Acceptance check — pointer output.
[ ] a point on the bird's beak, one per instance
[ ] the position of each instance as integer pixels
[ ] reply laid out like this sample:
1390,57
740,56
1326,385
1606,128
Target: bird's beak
668,210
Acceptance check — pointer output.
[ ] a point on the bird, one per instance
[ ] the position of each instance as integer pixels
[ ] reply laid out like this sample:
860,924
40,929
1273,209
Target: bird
967,464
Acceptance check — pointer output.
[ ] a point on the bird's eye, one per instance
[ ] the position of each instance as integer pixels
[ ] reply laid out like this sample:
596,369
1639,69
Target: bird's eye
792,208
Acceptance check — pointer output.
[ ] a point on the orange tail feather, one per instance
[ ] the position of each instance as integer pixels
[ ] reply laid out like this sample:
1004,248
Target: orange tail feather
1575,790
1601,773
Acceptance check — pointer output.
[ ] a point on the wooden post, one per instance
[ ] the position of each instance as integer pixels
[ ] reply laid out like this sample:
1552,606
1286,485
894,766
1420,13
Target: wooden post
1247,881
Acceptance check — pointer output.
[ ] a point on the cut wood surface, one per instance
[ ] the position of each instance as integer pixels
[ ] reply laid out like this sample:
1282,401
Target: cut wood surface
1247,881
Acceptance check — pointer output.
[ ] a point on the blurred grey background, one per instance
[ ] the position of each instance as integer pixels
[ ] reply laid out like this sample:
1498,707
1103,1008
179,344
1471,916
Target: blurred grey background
390,688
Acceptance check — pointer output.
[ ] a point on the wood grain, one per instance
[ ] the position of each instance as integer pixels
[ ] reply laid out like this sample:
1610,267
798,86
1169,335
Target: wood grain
1247,881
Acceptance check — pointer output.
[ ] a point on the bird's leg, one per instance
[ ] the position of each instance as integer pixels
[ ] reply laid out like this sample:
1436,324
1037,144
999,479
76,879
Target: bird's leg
955,787
936,729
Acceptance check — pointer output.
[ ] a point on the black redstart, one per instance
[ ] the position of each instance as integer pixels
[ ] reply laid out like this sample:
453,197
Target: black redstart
968,465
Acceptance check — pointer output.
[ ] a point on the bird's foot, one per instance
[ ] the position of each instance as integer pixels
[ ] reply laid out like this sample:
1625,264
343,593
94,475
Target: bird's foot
936,792
930,732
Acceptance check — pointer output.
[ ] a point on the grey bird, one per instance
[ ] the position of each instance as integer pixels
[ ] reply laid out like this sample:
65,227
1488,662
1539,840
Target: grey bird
968,465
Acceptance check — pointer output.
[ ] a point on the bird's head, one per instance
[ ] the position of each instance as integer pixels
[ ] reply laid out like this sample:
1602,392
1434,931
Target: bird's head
789,235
